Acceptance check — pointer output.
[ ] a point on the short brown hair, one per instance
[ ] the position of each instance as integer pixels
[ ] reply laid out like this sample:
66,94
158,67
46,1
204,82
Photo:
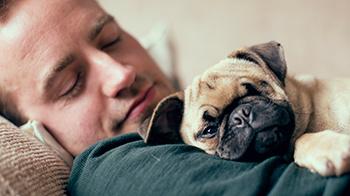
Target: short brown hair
8,108
4,9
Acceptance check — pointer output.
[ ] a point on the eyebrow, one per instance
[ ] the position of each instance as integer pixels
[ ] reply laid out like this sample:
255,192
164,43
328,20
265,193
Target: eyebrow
69,59
98,27
5,6
54,71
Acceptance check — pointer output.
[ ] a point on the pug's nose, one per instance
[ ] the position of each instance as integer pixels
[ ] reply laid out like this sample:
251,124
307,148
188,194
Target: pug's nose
241,117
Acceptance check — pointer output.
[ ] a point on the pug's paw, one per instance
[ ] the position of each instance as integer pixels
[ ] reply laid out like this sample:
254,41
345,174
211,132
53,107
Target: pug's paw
325,152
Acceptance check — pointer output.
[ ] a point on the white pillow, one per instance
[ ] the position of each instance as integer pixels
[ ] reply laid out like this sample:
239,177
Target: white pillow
158,44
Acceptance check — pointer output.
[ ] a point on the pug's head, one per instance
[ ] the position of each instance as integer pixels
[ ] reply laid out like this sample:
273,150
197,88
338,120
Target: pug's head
238,109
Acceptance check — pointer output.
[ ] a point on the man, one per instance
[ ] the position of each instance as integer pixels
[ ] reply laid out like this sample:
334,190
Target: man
68,64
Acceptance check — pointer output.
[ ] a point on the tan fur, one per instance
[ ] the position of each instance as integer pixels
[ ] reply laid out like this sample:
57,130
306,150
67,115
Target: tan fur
322,108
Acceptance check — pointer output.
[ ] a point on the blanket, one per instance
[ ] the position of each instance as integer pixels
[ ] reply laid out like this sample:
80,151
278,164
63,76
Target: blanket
125,165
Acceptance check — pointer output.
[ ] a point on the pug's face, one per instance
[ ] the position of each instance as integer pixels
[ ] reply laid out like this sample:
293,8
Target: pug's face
237,109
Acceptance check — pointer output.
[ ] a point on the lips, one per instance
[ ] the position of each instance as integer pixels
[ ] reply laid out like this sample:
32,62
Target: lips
141,103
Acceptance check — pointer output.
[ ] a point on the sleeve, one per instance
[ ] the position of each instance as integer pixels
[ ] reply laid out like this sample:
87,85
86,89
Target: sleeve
126,166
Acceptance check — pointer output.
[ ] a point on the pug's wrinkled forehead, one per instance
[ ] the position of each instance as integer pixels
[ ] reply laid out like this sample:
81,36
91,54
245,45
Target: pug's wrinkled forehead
230,78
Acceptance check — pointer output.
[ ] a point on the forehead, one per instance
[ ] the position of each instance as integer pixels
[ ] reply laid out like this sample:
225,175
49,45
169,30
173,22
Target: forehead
220,83
32,20
32,36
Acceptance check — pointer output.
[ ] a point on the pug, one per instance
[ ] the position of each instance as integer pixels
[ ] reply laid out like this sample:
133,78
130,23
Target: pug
247,108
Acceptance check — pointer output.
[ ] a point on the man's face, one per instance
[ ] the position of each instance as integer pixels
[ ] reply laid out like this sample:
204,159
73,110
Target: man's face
69,65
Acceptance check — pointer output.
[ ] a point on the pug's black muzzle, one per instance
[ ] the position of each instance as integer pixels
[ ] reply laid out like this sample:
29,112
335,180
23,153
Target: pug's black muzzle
256,128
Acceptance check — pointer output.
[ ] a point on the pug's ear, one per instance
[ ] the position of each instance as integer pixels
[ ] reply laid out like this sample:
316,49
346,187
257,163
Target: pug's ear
271,53
165,122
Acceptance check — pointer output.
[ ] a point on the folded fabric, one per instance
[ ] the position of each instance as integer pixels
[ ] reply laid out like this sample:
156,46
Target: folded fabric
37,130
126,166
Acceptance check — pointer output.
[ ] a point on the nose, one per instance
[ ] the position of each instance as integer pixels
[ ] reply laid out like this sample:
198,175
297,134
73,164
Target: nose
241,116
259,113
116,77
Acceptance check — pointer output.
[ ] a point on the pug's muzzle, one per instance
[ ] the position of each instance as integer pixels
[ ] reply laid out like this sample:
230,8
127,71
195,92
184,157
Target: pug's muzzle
256,128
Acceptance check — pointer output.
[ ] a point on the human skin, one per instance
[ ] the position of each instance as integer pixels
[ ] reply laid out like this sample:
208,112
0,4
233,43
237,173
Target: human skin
106,85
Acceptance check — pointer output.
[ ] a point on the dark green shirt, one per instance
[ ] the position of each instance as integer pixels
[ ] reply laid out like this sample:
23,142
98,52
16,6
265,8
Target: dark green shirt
124,165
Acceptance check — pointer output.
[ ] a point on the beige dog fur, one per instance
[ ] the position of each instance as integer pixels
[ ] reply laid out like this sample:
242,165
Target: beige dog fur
321,107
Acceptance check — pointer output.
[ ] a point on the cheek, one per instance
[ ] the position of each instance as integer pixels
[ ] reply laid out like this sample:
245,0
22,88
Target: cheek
81,118
208,145
85,118
79,125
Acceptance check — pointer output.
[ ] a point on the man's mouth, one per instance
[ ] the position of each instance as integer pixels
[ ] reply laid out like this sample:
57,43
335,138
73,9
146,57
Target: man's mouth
141,103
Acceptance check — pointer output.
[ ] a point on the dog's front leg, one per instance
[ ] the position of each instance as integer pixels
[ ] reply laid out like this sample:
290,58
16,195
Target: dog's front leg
326,152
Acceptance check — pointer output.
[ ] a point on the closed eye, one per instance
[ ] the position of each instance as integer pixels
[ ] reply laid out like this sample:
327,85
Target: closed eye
112,43
75,88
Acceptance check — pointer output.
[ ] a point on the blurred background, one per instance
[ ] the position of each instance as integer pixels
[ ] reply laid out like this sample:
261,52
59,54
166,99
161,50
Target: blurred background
314,33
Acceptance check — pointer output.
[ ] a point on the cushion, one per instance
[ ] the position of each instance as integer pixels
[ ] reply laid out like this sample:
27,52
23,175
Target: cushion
28,167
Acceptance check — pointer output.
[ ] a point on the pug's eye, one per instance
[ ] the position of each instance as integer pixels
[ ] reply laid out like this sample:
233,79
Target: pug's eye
209,132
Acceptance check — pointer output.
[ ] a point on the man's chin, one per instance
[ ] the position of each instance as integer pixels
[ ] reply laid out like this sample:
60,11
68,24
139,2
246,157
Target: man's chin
137,124
141,122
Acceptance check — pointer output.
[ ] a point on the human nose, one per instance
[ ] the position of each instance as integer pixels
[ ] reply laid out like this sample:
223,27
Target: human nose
116,77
